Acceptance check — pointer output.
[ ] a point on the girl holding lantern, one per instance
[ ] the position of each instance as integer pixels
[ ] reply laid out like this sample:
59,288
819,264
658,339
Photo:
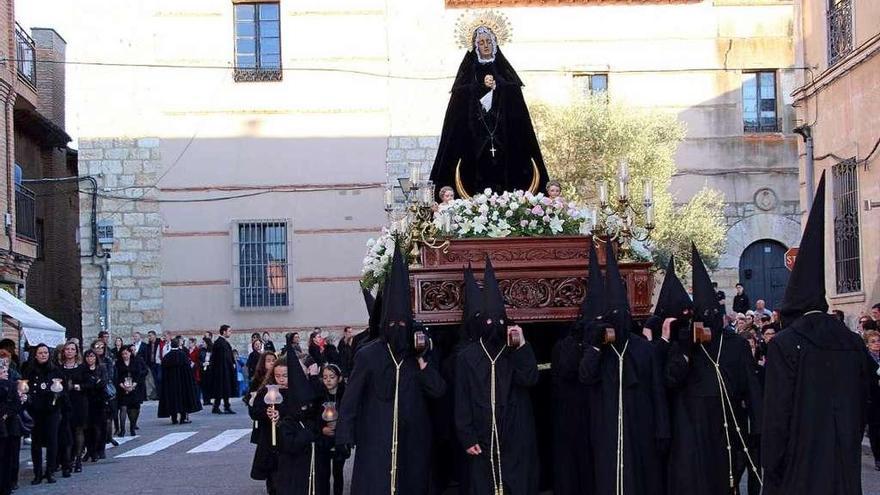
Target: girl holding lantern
289,402
131,374
331,459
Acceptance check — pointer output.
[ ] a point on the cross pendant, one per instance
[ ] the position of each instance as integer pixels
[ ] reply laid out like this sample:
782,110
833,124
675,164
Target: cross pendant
493,150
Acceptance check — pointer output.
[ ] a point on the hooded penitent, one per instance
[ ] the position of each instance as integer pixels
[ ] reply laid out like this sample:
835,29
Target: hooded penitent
806,285
397,318
673,301
618,312
470,309
819,382
706,307
493,316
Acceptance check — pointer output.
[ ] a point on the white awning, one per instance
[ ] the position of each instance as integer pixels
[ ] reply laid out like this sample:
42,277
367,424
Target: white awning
36,327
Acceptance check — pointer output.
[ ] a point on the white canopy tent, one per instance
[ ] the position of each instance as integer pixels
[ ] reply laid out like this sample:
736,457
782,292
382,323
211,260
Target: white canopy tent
36,327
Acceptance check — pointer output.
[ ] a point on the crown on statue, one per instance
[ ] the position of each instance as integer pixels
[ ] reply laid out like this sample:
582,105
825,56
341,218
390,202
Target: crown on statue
495,21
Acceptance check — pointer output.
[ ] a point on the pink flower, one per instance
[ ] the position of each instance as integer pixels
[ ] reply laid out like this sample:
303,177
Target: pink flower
546,201
523,223
546,218
537,210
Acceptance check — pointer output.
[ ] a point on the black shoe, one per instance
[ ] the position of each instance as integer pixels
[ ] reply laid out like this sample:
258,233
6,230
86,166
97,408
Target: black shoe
228,411
37,480
114,443
174,421
102,455
77,465
118,433
216,410
185,422
65,473
50,479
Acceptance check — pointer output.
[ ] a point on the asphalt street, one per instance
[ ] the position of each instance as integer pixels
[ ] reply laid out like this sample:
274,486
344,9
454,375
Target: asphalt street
211,455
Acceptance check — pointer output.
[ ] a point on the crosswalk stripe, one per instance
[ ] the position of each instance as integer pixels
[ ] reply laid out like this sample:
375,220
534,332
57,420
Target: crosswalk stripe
157,445
220,441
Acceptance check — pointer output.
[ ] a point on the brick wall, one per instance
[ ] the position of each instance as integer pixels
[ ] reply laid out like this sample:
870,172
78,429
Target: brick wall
125,170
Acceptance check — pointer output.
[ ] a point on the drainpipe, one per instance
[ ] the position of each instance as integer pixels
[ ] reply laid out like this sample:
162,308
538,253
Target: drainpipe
806,132
105,293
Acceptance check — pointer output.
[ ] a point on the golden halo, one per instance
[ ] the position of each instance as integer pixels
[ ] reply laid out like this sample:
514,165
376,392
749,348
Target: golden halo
469,21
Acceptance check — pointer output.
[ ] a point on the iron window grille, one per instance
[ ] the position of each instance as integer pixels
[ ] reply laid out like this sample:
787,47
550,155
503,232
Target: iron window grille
591,84
262,264
257,42
25,213
25,56
840,30
759,102
846,227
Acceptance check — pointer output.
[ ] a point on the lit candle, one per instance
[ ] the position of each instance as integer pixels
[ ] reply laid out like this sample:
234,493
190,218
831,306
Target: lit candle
649,216
415,170
272,398
623,170
649,192
623,189
389,197
603,192
447,222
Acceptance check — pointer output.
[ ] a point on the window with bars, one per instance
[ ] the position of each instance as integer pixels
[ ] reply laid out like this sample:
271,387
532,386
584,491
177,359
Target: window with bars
846,227
759,102
262,264
257,42
591,84
840,30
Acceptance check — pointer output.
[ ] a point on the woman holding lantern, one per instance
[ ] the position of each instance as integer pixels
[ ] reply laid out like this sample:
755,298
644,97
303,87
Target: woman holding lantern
44,405
131,374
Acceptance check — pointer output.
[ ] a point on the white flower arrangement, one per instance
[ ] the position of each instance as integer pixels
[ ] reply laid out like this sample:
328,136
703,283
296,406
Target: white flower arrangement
377,262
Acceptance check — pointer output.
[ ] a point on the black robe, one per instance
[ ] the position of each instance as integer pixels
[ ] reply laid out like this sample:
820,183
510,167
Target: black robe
698,459
265,459
470,133
516,371
177,395
223,381
572,447
817,379
365,420
645,416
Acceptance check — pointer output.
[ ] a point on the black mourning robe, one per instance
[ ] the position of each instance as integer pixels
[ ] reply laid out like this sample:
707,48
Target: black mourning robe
137,370
469,133
698,462
297,433
265,461
177,395
817,379
645,416
223,381
365,421
516,371
572,448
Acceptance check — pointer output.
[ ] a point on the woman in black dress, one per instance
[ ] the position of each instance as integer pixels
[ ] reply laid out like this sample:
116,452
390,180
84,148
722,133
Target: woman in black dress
94,388
44,406
11,404
131,373
73,416
264,463
111,425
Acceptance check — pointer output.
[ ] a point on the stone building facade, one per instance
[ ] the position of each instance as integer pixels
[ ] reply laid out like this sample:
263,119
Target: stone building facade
129,298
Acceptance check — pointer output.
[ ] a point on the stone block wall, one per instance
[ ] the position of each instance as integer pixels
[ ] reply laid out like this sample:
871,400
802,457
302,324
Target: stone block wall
403,150
126,171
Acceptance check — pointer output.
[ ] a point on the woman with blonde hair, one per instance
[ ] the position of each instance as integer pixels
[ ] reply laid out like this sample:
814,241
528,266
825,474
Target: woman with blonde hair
71,433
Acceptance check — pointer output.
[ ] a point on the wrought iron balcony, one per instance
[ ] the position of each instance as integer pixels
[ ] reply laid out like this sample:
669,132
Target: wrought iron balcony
762,125
840,30
25,56
25,214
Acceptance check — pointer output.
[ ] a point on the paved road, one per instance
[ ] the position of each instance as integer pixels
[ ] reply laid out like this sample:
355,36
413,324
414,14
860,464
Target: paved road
211,455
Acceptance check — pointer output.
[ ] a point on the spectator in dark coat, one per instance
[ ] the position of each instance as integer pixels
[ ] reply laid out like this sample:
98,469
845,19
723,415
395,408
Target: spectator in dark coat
741,302
131,375
177,397
223,380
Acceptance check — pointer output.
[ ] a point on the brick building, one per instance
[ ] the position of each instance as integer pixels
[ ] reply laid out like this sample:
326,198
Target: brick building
38,257
839,107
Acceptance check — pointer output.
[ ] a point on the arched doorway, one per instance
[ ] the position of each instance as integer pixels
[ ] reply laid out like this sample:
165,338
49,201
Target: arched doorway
762,272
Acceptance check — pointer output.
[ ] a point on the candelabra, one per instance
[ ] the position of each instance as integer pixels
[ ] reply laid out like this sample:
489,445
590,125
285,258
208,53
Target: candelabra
413,223
620,220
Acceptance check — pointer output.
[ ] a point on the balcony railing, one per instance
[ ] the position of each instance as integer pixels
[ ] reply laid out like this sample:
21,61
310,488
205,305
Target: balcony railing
25,56
764,125
25,214
840,30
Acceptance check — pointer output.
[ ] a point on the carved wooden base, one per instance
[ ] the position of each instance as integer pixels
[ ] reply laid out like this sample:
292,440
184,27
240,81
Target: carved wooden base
542,278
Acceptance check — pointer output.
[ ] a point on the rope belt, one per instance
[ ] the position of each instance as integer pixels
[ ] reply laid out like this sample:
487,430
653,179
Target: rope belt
495,442
313,486
727,406
394,421
618,488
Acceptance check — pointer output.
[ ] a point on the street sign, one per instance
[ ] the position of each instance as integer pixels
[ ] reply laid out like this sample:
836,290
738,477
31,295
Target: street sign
790,256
